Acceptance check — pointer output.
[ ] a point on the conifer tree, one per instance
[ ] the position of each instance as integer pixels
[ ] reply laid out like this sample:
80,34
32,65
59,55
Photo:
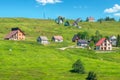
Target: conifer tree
78,67
91,76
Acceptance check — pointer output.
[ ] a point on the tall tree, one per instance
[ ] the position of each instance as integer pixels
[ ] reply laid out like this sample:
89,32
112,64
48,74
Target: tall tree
118,41
97,36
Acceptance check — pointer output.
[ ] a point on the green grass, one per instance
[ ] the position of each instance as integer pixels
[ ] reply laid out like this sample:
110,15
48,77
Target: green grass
28,60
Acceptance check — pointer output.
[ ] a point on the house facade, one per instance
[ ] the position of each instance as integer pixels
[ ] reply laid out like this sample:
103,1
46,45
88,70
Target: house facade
57,38
91,19
42,40
15,34
103,45
82,43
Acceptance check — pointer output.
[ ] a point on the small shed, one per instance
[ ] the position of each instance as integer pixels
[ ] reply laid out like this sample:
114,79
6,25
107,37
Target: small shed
82,43
57,38
42,40
15,34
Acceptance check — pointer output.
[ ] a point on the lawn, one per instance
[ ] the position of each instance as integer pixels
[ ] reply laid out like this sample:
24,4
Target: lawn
28,60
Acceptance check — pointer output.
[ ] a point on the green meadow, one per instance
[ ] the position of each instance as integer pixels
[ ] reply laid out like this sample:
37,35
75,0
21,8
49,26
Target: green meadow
28,60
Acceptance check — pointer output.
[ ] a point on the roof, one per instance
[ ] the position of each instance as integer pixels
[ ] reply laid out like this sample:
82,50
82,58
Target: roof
44,38
91,18
113,37
83,41
11,34
100,41
58,37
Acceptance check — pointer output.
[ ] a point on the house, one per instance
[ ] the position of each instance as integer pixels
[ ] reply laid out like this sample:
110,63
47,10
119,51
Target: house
75,38
57,38
82,43
91,19
113,40
103,44
60,20
42,40
15,34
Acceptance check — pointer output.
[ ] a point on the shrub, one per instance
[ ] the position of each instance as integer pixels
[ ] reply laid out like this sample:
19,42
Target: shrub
91,76
78,67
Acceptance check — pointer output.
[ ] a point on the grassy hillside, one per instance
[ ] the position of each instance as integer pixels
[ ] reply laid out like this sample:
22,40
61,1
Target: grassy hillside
27,60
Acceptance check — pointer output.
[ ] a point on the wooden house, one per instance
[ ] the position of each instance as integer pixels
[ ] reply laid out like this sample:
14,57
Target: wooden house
42,40
57,38
103,44
15,34
82,43
75,38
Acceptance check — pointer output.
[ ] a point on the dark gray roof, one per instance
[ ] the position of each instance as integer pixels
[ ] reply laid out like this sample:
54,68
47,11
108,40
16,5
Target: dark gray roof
83,41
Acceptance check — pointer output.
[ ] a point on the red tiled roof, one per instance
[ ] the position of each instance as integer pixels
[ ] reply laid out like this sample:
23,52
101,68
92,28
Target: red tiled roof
11,34
100,41
58,37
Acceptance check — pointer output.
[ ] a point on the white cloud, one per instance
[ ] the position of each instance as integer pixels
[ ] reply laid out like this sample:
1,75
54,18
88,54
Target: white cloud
117,14
114,9
44,2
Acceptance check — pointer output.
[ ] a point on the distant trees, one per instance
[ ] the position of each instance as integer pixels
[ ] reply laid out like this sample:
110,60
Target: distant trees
118,41
78,67
106,19
91,76
83,35
97,36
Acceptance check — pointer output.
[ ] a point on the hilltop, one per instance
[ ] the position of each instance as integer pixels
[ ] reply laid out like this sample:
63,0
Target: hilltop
28,60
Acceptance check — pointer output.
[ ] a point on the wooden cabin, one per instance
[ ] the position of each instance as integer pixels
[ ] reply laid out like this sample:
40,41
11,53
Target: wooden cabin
57,38
15,34
42,40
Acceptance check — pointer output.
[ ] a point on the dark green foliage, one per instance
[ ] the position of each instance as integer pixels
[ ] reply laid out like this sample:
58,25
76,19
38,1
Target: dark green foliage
91,76
83,35
118,41
109,19
92,45
66,23
97,36
78,67
87,19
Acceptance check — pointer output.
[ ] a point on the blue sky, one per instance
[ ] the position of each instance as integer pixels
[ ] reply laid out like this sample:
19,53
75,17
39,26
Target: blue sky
71,9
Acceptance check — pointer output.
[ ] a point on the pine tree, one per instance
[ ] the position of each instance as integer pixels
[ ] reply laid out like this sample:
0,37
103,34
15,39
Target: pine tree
118,41
78,67
91,76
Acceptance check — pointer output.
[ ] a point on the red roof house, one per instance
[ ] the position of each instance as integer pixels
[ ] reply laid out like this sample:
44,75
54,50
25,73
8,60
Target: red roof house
91,19
103,44
15,34
57,38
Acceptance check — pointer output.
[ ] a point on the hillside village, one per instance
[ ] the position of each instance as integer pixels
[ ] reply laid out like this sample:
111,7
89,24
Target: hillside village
46,49
82,39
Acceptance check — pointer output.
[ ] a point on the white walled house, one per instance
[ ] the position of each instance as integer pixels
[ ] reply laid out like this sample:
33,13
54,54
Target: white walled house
42,40
104,45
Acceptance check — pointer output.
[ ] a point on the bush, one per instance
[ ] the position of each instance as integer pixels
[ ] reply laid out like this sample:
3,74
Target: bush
91,76
78,67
